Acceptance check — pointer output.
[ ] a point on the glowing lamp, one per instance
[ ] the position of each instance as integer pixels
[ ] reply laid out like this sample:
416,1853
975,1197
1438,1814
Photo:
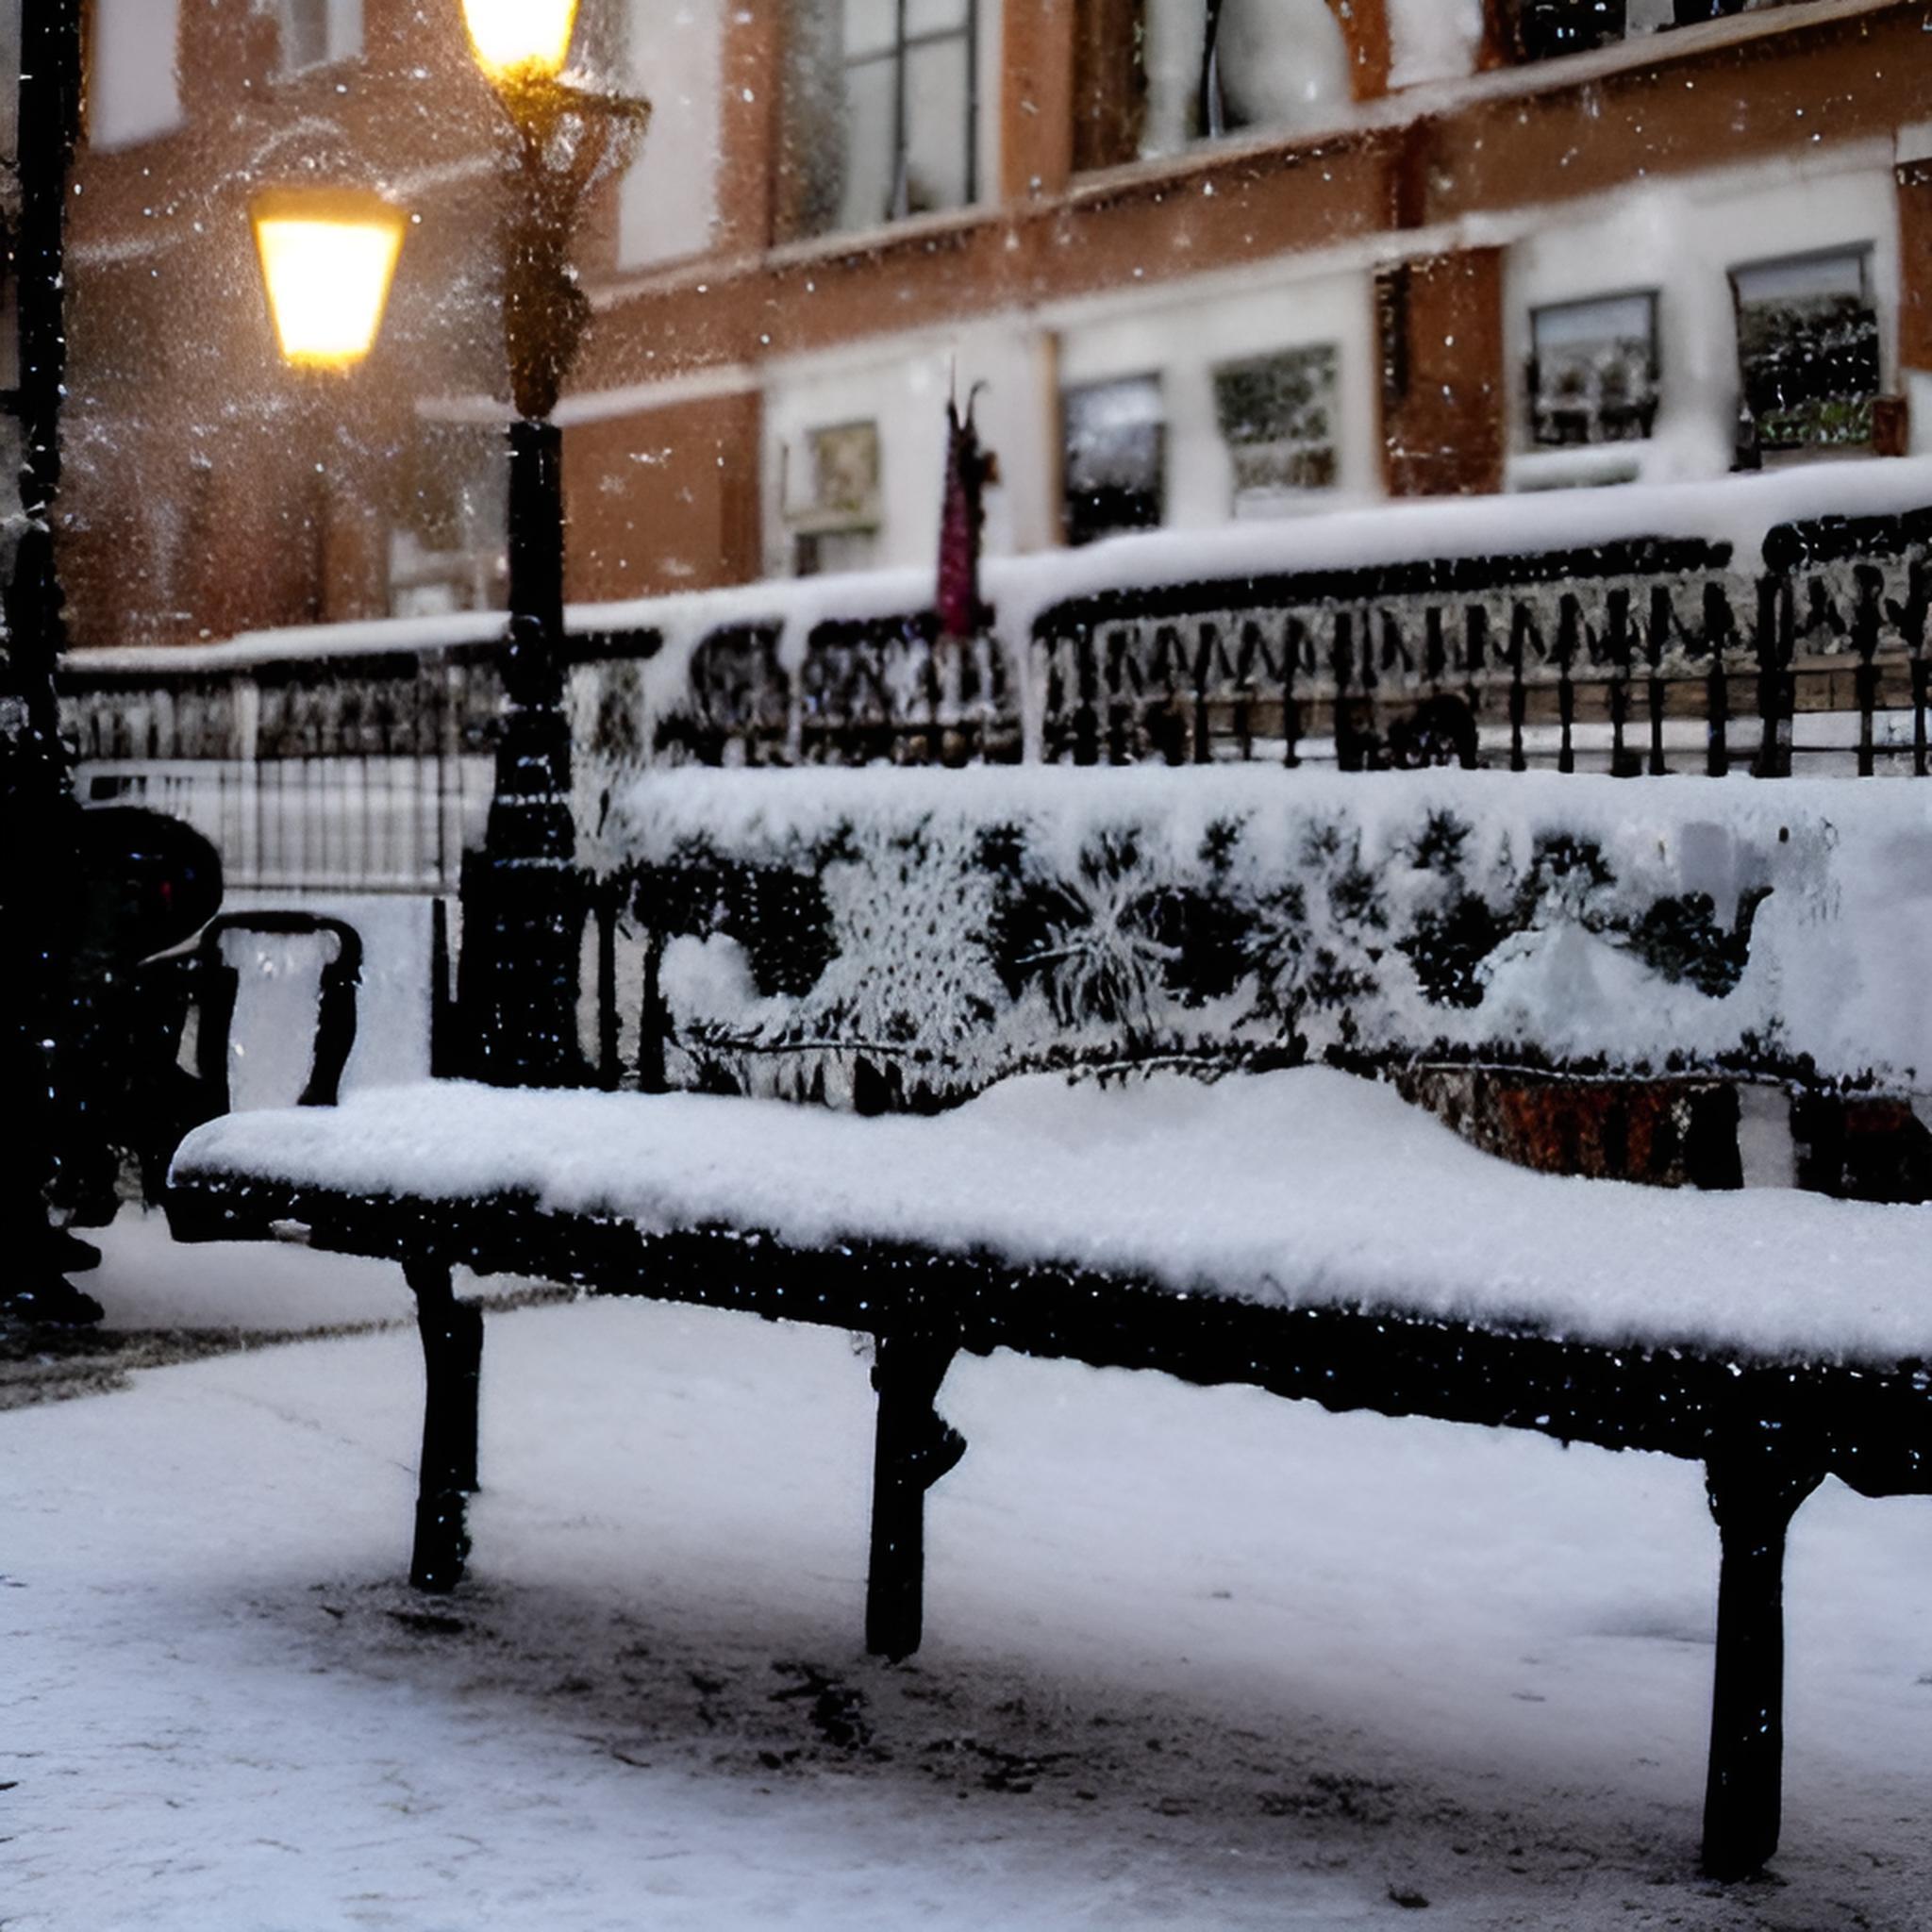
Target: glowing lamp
327,257
520,41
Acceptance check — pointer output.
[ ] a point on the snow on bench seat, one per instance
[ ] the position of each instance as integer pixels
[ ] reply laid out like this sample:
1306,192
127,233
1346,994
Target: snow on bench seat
1305,1188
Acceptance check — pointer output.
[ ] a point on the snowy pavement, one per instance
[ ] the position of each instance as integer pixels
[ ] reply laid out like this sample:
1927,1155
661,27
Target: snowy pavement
1194,1658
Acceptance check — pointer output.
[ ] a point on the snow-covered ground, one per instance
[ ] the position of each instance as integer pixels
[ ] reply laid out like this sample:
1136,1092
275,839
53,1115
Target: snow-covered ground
1194,1658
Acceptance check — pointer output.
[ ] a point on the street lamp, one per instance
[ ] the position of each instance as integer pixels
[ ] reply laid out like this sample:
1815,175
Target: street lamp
329,257
522,902
520,40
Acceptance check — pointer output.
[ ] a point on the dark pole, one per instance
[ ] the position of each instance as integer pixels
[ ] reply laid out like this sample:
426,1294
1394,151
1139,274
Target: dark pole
50,84
523,901
37,854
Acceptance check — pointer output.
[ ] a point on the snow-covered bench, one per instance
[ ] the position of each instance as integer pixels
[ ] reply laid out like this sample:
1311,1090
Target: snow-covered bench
1295,1227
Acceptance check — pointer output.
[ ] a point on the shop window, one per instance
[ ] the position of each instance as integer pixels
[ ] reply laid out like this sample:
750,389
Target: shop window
1114,449
1277,418
1807,351
833,525
1593,370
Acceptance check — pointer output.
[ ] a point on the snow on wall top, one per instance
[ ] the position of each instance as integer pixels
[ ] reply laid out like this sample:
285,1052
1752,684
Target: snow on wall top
1738,511
1272,1187
971,923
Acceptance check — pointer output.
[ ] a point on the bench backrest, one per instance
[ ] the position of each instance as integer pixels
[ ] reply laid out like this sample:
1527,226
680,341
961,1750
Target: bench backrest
892,938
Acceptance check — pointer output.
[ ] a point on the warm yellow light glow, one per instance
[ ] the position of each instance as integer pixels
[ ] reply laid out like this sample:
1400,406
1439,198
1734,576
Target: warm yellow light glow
328,258
521,39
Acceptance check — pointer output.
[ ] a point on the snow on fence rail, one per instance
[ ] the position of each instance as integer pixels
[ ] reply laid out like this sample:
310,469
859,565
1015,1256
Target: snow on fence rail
1768,625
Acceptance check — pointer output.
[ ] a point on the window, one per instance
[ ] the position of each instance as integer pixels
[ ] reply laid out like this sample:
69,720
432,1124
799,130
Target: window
910,107
1115,443
1807,351
835,527
1277,414
670,194
1545,29
315,33
1593,370
1154,74
447,552
9,67
132,92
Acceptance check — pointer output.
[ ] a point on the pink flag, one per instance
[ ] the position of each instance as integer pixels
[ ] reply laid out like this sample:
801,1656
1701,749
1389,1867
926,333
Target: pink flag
969,470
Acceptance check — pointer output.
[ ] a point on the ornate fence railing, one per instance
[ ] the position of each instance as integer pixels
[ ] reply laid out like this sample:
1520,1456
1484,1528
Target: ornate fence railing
1806,649
1638,655
1573,657
358,770
866,690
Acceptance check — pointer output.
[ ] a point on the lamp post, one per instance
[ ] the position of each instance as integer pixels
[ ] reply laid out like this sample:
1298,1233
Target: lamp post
521,900
38,819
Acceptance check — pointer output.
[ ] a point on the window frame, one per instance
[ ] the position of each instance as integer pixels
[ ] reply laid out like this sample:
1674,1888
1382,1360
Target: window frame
1865,253
1324,359
1075,533
1652,295
816,525
898,51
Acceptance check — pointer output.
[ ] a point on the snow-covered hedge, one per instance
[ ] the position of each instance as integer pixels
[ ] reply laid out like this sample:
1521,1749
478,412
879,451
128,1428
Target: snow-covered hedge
928,932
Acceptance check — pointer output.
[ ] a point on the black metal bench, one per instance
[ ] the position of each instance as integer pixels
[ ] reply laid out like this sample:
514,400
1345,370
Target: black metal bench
771,897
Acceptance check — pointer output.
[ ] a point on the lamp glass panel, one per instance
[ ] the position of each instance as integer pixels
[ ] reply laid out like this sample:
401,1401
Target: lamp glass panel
328,281
517,39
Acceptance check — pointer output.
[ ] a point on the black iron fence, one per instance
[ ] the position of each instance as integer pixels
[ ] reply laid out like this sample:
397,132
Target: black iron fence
369,771
362,771
373,770
867,690
1650,655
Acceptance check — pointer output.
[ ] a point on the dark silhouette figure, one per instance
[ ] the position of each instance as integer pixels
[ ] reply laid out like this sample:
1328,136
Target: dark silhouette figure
105,1080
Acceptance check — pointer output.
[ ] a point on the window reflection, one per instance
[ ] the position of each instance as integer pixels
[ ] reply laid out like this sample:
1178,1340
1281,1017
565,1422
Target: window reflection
884,109
1114,459
1156,75
1808,349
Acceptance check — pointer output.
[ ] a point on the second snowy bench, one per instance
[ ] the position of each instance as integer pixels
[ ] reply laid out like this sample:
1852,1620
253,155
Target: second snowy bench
1303,1230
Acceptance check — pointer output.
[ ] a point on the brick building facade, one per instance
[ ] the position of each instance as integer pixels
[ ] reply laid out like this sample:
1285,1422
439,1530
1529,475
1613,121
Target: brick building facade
1208,260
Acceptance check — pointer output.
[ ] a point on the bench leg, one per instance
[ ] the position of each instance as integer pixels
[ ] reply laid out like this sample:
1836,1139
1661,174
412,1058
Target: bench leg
914,1449
1753,1496
452,1333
